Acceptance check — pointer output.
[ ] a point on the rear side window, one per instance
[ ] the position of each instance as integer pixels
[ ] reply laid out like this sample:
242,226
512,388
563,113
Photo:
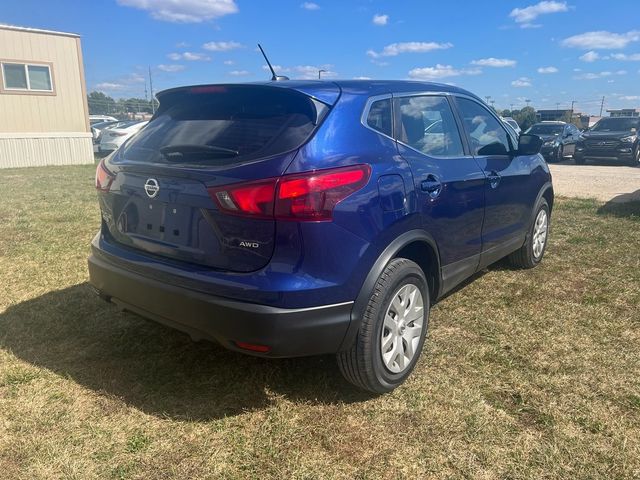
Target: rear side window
486,134
225,125
427,124
379,117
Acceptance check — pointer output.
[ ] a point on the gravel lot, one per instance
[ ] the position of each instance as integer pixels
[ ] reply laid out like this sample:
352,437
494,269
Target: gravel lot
615,183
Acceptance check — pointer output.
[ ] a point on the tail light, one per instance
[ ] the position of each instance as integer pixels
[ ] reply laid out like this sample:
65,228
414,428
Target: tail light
310,196
104,178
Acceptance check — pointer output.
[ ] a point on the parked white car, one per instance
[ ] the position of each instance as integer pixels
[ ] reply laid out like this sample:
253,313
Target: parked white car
112,138
512,123
93,119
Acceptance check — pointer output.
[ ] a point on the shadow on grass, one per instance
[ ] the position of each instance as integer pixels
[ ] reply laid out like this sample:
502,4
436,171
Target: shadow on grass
626,205
158,370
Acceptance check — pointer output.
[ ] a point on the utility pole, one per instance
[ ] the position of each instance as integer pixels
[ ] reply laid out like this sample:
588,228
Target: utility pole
320,72
511,107
573,102
153,103
602,105
527,101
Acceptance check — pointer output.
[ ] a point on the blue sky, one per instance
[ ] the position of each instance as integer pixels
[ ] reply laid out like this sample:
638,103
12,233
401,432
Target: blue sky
548,52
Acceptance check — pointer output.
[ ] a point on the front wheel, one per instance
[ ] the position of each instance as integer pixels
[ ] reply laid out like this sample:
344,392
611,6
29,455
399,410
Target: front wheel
531,253
392,331
636,158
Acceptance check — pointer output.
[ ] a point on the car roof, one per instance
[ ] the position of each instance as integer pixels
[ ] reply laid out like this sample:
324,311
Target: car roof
328,91
551,122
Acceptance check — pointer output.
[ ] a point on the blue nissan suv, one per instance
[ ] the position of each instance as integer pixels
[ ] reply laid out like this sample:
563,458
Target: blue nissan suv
294,218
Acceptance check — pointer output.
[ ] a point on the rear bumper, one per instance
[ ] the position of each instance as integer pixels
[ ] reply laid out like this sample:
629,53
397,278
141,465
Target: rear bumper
287,332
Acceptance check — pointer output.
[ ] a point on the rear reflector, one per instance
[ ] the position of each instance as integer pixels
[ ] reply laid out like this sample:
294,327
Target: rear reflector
310,196
104,178
253,347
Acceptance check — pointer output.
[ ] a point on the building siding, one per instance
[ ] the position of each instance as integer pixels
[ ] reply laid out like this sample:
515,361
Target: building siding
45,129
29,150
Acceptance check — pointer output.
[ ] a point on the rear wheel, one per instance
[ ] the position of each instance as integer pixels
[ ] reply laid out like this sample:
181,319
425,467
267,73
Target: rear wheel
392,332
531,253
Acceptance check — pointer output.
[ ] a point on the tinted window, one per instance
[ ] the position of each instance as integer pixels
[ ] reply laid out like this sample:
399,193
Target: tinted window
487,135
619,124
542,129
223,125
428,125
379,117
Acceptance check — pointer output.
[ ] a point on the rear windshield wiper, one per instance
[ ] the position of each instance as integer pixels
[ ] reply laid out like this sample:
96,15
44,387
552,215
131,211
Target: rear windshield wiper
178,153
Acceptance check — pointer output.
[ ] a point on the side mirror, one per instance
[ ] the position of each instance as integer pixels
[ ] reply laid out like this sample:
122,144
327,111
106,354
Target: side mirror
529,144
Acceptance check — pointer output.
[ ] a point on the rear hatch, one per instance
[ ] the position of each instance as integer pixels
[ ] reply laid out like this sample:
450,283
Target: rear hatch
204,137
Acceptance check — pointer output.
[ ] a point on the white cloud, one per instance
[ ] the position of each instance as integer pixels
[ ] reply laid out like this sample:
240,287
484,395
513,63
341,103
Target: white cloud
304,72
408,47
596,75
189,56
590,56
601,40
525,16
229,62
440,71
634,57
238,73
494,62
380,19
310,6
630,97
184,11
521,82
110,86
362,78
222,46
171,68
545,70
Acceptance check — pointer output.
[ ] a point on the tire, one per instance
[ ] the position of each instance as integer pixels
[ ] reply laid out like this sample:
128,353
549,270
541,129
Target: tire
579,160
531,253
363,363
636,158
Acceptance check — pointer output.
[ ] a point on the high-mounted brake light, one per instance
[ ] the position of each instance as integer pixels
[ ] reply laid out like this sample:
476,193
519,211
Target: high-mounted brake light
104,178
310,196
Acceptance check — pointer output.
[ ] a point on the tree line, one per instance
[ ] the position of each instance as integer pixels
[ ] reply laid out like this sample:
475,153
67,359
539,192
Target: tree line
102,104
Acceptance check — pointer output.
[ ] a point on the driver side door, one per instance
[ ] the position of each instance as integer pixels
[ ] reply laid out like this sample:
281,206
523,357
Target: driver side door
509,188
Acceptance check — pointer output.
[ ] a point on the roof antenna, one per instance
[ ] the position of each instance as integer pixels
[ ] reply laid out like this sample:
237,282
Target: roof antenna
274,78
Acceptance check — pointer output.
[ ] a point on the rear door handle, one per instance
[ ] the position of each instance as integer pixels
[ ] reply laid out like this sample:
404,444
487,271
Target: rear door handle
432,186
494,179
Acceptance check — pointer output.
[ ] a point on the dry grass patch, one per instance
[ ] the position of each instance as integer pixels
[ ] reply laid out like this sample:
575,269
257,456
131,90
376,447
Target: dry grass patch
527,374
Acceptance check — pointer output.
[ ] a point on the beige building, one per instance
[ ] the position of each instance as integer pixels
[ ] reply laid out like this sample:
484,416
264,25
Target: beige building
44,118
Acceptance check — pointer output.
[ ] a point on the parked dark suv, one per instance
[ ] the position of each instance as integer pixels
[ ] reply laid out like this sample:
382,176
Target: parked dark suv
559,139
303,217
612,138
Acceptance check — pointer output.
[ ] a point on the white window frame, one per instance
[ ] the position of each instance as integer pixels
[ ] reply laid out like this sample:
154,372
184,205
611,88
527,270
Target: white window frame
26,72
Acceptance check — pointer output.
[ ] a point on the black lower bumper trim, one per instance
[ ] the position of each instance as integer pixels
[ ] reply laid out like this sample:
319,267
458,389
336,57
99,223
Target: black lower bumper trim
287,332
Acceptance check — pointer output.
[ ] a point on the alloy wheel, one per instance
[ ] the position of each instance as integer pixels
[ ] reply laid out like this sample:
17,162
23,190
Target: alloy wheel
540,233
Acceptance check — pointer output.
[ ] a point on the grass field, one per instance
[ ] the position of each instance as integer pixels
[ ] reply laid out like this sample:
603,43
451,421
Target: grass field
526,374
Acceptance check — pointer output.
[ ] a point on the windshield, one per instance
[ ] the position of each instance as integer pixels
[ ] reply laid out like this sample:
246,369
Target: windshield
222,125
616,125
541,129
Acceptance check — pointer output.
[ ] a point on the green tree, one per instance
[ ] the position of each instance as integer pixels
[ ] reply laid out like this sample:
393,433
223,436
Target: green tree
101,104
525,117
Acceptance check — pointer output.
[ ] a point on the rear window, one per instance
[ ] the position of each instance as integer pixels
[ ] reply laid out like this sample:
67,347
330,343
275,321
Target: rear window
225,125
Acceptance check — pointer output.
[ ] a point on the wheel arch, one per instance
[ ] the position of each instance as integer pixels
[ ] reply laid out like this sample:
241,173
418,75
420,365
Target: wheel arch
415,245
